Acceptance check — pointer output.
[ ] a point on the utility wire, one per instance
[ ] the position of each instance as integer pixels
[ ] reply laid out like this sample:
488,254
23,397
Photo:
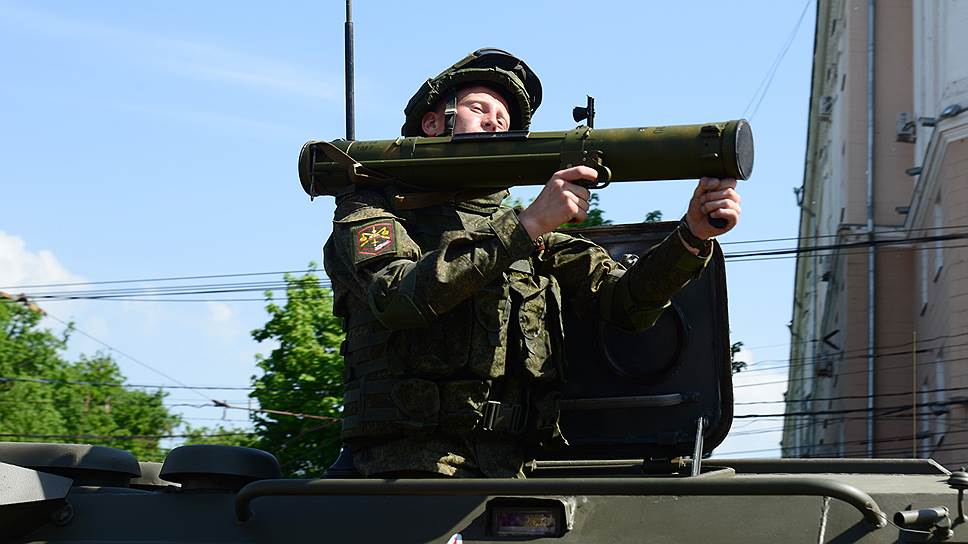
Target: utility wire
853,397
828,236
955,446
853,372
128,293
149,386
839,357
771,73
862,350
118,437
310,270
222,404
162,278
886,410
125,355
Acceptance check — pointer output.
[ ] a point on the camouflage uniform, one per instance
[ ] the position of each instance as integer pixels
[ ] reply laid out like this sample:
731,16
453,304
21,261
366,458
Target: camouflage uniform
454,335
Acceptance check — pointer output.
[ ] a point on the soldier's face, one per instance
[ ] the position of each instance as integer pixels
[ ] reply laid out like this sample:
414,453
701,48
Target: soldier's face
479,109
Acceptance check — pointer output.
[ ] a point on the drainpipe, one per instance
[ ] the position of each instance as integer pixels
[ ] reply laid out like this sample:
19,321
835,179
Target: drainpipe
871,263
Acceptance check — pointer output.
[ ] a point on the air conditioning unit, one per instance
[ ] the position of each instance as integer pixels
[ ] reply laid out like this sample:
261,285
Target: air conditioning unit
905,128
826,108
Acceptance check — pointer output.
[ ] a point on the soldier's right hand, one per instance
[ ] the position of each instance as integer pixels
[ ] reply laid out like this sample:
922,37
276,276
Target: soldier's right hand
560,201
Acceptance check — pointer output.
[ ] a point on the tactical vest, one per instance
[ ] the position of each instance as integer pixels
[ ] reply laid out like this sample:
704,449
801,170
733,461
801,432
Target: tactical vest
492,363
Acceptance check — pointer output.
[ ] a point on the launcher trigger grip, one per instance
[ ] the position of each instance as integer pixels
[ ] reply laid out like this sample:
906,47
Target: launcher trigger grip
593,159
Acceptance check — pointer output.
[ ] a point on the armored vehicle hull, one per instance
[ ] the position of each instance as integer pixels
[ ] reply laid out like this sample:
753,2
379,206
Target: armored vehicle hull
575,501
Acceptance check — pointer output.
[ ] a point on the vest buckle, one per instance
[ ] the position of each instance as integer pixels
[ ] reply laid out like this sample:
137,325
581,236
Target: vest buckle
502,417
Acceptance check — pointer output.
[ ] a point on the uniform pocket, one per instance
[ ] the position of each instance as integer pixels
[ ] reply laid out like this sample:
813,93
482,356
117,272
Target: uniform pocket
462,404
418,401
490,335
437,351
532,323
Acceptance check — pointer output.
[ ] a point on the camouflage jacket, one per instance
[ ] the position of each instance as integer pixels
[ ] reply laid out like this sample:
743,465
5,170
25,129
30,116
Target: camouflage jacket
453,320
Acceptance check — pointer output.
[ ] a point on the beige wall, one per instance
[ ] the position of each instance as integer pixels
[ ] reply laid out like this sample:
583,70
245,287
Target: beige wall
921,66
944,324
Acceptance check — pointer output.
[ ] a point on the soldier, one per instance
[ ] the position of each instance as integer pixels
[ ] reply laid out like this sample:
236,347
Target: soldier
452,307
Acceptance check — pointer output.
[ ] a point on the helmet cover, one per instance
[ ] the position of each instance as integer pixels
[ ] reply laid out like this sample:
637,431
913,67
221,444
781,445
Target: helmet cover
493,68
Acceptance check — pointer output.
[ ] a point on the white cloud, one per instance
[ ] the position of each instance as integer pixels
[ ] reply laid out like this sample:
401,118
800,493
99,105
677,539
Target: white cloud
222,322
20,266
219,312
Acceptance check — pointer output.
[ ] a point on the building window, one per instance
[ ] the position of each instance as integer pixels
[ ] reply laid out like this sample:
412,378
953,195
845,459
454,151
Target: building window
937,231
924,277
925,416
939,408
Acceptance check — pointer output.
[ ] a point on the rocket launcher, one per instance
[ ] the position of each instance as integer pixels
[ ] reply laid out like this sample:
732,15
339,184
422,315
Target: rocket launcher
490,161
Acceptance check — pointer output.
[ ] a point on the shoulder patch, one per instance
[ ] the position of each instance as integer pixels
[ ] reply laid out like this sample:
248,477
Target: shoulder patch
374,239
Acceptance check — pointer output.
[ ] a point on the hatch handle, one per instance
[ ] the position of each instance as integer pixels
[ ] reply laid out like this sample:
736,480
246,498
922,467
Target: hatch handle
782,486
637,401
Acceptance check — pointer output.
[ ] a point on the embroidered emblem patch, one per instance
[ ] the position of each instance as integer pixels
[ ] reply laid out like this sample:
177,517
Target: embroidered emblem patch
374,239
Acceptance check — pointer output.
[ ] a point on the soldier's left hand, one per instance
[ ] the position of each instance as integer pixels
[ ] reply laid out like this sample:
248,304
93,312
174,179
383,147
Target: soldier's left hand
717,198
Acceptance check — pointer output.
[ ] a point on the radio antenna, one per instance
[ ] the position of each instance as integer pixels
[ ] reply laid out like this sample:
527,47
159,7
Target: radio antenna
348,65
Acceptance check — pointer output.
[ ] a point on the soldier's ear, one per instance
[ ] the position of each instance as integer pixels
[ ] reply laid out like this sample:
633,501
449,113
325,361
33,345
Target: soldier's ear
432,123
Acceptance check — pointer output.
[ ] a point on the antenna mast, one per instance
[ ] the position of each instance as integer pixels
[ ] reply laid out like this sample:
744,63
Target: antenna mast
348,65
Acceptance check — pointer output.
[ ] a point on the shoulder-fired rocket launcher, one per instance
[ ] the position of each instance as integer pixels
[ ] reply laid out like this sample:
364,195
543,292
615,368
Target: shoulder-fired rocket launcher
498,160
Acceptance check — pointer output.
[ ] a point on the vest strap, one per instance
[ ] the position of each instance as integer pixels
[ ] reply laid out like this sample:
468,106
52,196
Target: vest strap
365,368
372,415
357,342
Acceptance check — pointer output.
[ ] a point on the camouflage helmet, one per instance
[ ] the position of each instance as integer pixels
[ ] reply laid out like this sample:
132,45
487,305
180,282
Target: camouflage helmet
489,67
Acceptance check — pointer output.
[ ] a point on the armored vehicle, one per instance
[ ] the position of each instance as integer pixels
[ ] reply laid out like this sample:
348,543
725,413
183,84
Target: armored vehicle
641,413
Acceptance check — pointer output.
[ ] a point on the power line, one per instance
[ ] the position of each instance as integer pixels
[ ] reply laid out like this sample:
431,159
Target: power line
842,357
324,280
886,409
863,350
162,278
859,371
771,73
119,436
853,397
827,236
860,244
123,354
210,289
222,404
134,385
954,446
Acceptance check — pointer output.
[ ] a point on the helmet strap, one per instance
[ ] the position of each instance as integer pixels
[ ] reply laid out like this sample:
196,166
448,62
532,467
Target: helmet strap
450,114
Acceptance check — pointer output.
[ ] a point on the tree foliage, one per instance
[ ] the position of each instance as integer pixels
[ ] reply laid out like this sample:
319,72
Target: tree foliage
653,217
219,435
734,349
69,401
596,216
302,375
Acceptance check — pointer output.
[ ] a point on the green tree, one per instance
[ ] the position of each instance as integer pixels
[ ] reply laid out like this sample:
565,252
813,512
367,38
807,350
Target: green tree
219,435
596,216
738,366
302,375
653,217
45,398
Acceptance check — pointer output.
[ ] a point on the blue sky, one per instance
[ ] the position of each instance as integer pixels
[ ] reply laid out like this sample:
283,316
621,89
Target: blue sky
157,139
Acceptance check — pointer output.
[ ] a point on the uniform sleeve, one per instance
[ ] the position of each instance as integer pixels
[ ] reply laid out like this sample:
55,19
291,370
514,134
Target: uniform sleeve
632,299
404,287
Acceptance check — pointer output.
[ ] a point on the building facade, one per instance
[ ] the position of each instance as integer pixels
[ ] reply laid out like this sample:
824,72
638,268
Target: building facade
879,347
